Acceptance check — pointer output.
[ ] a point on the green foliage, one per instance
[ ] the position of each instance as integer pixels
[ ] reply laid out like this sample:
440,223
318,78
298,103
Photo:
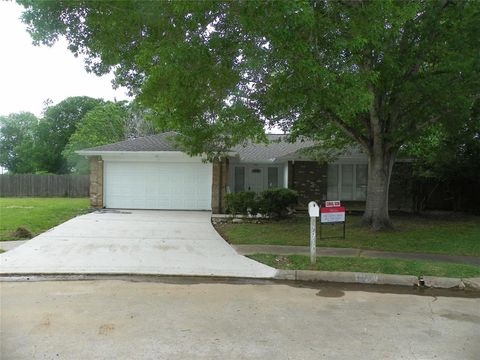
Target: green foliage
321,68
359,264
48,145
17,142
447,157
244,203
107,123
104,124
55,129
271,202
449,152
276,202
376,73
436,235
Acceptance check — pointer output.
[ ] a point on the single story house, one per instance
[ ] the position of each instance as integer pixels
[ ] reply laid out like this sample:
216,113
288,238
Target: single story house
152,173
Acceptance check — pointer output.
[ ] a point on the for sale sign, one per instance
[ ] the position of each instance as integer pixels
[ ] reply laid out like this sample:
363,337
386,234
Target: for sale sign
332,203
332,214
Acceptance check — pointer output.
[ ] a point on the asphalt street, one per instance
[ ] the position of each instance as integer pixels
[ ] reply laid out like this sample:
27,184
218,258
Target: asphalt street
195,319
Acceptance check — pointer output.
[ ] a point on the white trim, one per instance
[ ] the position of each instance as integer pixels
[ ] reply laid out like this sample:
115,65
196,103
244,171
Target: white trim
168,156
101,153
126,152
285,175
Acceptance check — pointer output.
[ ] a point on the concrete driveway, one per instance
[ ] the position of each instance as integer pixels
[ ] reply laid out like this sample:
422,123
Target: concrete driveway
133,242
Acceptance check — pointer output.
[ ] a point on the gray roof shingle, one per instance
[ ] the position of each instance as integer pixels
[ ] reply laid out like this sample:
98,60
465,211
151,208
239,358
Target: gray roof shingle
158,142
277,147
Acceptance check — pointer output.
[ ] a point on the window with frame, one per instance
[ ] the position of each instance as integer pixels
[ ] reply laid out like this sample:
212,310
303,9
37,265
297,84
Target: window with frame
272,177
239,178
347,182
361,176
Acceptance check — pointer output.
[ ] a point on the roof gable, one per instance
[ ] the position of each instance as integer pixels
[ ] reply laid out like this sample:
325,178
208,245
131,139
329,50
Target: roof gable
159,142
277,147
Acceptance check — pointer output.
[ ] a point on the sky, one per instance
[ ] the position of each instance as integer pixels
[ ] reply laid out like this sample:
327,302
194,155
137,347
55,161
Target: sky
30,74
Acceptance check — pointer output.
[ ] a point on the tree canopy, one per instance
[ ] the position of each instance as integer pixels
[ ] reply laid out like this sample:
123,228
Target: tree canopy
447,157
446,153
48,144
17,141
376,73
104,124
55,128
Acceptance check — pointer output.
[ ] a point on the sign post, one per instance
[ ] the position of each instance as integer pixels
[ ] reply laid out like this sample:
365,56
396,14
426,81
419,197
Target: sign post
313,211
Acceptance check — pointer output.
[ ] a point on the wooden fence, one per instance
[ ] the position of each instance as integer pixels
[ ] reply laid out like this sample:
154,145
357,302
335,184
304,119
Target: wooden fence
44,185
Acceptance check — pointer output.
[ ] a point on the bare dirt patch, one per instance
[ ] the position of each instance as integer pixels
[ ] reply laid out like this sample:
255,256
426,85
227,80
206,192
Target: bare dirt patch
22,233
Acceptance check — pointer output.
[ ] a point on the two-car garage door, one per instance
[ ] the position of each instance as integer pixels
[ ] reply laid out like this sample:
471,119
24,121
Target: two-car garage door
158,185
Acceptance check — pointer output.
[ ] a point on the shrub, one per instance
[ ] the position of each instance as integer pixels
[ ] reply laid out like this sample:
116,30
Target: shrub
271,202
242,203
276,202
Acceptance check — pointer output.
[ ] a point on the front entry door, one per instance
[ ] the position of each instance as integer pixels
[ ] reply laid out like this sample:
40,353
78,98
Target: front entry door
255,179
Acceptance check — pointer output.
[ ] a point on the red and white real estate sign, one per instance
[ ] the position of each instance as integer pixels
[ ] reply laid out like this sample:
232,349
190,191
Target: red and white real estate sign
332,214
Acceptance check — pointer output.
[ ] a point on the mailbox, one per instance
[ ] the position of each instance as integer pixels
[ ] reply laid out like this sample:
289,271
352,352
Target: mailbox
313,209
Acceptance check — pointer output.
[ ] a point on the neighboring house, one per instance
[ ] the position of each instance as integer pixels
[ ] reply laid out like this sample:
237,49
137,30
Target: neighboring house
152,173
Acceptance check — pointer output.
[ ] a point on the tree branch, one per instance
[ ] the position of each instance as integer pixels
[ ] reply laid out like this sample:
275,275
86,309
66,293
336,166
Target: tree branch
414,127
348,130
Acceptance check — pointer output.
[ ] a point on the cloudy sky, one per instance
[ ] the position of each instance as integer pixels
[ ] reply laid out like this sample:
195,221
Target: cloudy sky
31,74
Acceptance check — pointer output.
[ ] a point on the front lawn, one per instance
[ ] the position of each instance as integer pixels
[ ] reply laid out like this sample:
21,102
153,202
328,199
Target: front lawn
457,236
357,264
37,214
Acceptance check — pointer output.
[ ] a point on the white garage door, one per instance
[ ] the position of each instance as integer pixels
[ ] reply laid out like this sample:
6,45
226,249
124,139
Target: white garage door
157,185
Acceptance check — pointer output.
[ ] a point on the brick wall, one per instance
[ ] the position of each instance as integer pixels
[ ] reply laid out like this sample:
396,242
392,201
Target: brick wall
219,185
309,179
96,182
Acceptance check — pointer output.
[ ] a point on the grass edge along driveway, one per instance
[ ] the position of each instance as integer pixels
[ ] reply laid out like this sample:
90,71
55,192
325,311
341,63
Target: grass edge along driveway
416,234
37,214
356,264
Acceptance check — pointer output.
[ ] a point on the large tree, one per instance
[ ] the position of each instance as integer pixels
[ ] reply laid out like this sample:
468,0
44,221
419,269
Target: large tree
17,142
105,124
449,157
59,122
375,73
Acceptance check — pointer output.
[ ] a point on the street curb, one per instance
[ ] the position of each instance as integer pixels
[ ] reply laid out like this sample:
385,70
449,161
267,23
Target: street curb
379,279
442,282
467,284
472,283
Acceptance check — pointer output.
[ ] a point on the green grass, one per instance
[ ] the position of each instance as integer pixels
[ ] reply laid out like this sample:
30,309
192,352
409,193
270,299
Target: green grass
458,236
37,214
356,264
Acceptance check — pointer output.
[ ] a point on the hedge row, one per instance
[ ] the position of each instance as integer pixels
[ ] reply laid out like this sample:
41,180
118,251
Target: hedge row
271,202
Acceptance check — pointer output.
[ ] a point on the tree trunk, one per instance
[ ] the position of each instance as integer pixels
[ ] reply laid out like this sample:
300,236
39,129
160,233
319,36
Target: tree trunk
380,164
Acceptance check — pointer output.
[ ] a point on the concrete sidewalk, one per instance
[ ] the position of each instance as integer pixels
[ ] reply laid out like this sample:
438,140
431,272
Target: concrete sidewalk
9,245
349,252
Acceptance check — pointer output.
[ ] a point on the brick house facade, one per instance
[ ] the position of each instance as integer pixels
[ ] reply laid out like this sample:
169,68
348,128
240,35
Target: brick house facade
151,173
